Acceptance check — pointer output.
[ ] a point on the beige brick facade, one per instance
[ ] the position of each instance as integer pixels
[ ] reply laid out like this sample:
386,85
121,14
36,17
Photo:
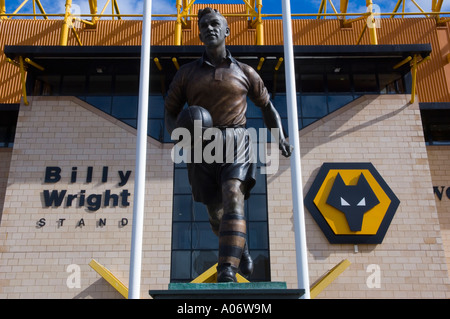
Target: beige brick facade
438,157
65,132
385,130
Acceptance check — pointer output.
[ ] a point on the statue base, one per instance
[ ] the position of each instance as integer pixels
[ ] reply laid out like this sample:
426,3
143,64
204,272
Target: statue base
228,290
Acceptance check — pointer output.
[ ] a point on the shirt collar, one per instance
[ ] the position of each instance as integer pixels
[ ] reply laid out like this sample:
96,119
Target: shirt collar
204,59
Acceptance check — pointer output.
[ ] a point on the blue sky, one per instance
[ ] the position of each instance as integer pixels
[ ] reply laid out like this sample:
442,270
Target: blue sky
269,6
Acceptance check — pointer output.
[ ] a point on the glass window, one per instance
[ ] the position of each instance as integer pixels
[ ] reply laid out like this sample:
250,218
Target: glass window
125,106
312,83
261,262
127,85
156,106
203,237
200,212
50,84
179,270
101,102
4,136
73,85
337,101
338,82
181,236
156,129
202,260
191,232
182,208
252,110
314,106
365,83
258,237
280,104
257,208
391,84
181,182
440,133
306,122
8,122
100,85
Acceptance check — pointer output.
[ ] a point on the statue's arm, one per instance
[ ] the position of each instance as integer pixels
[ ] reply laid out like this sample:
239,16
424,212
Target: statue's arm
273,121
174,101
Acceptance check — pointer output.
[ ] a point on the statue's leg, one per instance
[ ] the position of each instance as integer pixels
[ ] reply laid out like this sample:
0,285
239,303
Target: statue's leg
215,212
232,230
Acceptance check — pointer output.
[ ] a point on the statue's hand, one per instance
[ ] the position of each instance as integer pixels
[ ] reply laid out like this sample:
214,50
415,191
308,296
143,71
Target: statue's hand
285,148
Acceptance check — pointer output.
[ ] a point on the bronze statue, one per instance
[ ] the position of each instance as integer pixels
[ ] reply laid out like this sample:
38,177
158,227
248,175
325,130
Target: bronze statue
221,84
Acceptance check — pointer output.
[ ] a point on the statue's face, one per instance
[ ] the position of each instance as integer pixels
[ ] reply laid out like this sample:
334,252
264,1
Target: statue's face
213,29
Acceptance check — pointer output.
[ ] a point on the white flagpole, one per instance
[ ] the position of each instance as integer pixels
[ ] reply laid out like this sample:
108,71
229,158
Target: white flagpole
134,288
296,173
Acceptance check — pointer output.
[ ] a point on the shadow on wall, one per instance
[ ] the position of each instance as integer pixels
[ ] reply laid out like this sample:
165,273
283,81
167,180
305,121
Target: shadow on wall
100,289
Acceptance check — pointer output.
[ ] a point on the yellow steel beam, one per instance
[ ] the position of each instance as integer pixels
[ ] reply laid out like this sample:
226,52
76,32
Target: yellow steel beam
362,33
178,24
183,9
443,20
41,8
328,278
397,5
428,58
372,28
406,60
322,8
344,6
175,63
20,7
3,9
187,7
349,22
250,9
241,15
23,80
94,9
332,6
259,24
67,22
414,65
417,5
12,62
414,78
115,6
158,64
260,64
109,277
277,67
77,37
93,6
438,6
210,276
104,8
37,66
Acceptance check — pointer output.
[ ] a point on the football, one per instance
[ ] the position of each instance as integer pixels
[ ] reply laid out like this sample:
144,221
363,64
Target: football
192,113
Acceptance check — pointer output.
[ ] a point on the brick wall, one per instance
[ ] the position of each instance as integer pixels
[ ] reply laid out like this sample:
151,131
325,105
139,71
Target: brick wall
5,159
438,157
66,132
385,130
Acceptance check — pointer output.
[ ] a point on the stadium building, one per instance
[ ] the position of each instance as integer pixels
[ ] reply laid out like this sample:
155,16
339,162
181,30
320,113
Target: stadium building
373,97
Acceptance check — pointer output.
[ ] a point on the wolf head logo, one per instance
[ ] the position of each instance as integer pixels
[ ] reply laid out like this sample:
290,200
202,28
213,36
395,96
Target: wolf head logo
353,200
